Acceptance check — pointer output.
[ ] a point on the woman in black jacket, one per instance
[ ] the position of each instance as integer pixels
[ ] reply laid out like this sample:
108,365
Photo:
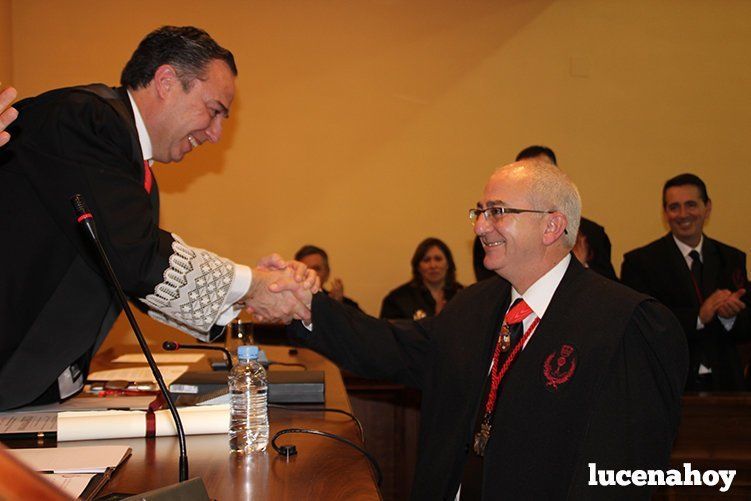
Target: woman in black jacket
433,284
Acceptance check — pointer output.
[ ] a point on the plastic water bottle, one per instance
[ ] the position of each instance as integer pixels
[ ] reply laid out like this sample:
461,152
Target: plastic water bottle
236,334
249,416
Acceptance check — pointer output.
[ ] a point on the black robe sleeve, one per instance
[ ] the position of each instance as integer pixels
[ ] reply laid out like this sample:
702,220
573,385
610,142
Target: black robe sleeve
394,350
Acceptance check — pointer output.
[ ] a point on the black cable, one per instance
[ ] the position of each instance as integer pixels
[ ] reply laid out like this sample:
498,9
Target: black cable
291,450
289,364
325,409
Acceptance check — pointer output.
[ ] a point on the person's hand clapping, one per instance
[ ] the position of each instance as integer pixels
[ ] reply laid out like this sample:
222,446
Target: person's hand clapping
7,113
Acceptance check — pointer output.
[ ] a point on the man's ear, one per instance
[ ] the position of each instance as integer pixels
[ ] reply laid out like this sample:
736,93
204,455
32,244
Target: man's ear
554,228
165,80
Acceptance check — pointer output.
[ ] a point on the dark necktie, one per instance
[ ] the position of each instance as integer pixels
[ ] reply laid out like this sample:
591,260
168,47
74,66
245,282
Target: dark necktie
700,351
696,272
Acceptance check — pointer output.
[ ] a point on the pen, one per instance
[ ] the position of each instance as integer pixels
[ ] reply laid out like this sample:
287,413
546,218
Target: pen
127,393
103,479
121,385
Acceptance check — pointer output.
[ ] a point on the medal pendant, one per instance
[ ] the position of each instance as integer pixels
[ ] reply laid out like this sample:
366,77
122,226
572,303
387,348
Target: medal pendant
505,339
481,438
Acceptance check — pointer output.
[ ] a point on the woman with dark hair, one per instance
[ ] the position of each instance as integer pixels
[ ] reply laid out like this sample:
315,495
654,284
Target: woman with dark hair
433,284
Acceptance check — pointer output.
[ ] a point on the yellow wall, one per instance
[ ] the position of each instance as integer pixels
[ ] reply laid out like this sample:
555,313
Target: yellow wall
6,49
364,127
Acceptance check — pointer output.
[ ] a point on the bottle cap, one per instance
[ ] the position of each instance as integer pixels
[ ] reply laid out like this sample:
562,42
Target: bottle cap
247,352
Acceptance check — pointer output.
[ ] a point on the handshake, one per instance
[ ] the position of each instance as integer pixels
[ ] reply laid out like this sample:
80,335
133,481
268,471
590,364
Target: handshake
281,291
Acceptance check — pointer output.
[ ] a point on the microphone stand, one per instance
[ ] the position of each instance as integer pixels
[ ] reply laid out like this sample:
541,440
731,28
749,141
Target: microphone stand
86,220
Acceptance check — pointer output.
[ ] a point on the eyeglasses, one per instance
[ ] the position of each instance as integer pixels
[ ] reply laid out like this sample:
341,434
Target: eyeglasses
496,213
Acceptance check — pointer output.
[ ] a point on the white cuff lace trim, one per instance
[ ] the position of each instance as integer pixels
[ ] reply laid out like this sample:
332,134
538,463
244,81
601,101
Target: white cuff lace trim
194,291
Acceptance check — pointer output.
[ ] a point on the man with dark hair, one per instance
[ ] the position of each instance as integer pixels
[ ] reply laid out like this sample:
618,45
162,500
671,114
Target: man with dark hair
317,259
703,281
188,49
688,180
56,305
529,377
592,248
538,152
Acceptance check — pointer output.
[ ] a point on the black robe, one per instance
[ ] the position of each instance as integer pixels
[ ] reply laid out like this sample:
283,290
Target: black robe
55,304
614,401
413,300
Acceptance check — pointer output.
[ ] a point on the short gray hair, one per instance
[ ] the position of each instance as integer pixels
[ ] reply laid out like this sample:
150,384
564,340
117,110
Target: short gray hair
551,189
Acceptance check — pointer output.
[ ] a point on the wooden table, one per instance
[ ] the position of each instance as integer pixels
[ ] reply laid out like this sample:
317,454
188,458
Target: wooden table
322,469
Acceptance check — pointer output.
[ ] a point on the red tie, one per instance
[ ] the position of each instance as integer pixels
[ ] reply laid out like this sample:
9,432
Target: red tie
518,312
147,179
510,344
515,316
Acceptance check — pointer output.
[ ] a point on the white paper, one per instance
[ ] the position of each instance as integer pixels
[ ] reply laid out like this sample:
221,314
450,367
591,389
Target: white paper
111,402
28,423
72,483
87,459
43,418
210,419
138,374
160,358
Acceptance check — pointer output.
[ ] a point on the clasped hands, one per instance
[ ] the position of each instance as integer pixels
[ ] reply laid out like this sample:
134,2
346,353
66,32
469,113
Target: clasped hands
723,303
281,291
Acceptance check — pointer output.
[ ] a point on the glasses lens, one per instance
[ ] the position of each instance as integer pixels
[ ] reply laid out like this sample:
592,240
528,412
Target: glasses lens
496,213
473,215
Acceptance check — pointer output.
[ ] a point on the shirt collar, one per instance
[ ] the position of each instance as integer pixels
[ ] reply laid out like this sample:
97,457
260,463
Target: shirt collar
686,249
143,134
538,296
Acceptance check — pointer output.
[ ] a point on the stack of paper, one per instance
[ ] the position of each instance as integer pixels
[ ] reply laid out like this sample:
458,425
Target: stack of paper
160,358
169,373
71,468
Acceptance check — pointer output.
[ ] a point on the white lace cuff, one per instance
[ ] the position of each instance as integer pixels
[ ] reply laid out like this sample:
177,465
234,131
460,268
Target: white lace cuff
199,290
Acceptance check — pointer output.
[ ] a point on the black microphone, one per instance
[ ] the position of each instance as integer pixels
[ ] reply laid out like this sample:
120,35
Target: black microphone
174,346
85,219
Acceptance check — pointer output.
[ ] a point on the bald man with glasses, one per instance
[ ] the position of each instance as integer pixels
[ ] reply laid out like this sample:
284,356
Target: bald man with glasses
530,376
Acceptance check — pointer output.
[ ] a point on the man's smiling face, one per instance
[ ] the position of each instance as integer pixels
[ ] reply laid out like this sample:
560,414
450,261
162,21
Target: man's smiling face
686,213
190,118
511,240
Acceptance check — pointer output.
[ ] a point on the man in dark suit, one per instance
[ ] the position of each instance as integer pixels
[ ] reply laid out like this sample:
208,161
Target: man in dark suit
317,259
592,247
701,280
56,305
530,376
